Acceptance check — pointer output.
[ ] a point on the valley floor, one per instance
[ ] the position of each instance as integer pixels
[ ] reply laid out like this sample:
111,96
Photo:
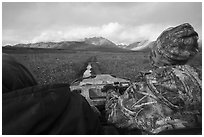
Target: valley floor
64,67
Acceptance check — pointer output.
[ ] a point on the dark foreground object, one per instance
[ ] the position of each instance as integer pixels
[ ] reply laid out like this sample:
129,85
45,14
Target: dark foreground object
15,75
47,110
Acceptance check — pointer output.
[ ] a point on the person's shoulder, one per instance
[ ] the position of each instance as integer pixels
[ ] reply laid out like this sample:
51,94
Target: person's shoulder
191,71
177,70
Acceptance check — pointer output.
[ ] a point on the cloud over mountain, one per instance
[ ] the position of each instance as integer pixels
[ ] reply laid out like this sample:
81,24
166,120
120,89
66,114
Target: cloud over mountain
118,33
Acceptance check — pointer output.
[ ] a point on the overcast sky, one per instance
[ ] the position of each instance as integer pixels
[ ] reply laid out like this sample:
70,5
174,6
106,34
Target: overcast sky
119,22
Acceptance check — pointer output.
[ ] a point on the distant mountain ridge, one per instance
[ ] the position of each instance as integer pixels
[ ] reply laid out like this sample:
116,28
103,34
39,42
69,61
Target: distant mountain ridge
99,41
92,43
138,45
89,43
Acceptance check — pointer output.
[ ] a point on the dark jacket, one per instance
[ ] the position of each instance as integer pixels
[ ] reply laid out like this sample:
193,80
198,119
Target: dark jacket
15,75
51,109
28,108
